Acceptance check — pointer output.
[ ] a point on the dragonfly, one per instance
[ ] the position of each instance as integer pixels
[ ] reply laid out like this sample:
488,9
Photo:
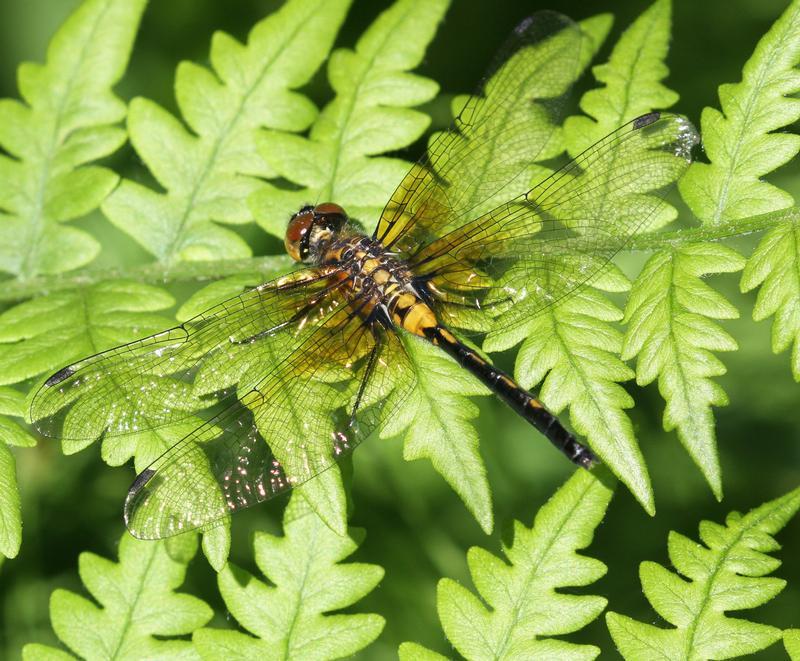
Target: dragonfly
270,388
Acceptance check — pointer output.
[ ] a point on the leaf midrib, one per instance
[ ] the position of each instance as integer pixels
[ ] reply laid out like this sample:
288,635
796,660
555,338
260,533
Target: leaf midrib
555,536
35,223
153,547
351,102
168,255
295,616
673,307
719,566
634,62
588,384
728,176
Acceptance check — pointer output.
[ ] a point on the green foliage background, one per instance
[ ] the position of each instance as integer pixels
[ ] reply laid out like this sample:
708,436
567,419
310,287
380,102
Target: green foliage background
417,528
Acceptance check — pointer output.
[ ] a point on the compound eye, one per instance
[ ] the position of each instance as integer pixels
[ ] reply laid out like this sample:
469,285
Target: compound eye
295,240
329,209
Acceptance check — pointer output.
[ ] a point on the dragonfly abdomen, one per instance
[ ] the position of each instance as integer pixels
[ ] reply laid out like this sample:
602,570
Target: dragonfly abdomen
519,399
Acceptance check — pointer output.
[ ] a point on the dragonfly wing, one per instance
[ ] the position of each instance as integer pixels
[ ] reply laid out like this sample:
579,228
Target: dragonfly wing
164,378
498,135
314,406
531,252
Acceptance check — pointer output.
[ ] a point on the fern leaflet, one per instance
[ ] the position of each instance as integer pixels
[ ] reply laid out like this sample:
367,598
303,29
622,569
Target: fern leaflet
11,433
67,122
573,347
726,572
791,639
521,609
742,144
289,619
140,614
371,114
208,174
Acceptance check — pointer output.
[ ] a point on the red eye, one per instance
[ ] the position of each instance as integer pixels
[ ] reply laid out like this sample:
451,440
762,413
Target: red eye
298,227
329,209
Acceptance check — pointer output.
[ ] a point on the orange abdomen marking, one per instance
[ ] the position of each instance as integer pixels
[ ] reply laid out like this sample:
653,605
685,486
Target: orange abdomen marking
412,314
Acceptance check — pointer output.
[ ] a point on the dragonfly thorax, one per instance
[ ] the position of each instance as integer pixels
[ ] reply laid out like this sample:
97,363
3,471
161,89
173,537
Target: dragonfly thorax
382,286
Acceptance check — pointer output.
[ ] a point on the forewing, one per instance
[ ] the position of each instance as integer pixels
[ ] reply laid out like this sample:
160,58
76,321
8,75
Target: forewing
314,407
490,154
162,379
531,252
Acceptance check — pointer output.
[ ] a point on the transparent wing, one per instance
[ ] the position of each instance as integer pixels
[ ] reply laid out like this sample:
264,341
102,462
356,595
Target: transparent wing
313,407
529,253
489,155
163,378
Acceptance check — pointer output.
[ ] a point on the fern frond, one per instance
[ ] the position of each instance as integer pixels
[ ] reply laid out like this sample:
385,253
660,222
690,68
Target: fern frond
10,508
573,351
49,332
632,80
435,422
415,652
669,315
289,618
574,348
46,333
520,609
774,267
728,571
67,121
140,615
371,114
739,139
209,169
12,403
791,640
743,145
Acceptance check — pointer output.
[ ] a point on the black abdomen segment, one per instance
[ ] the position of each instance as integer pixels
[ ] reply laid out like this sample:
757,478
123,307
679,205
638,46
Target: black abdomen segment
515,396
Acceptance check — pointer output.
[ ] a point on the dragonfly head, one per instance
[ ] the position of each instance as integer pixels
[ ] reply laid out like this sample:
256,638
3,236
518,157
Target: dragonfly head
311,228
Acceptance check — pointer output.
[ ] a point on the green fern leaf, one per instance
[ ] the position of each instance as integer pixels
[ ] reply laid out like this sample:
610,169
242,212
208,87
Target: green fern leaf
791,639
140,615
289,620
371,114
67,121
12,403
739,141
727,572
774,266
573,347
10,509
46,333
743,146
521,608
414,652
669,316
435,422
632,78
208,175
